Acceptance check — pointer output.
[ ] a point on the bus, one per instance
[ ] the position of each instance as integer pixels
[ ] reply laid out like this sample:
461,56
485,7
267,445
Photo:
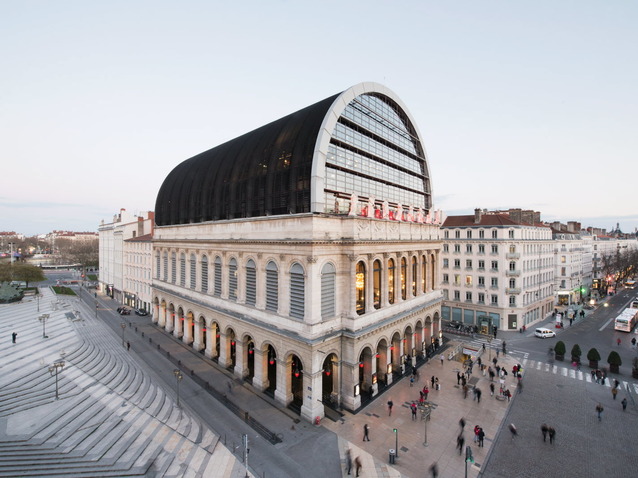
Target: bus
630,284
626,320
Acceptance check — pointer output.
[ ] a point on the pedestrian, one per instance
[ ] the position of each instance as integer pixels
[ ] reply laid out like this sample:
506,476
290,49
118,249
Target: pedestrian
504,352
624,404
432,381
552,435
357,465
481,437
614,392
348,461
390,405
616,383
633,342
462,423
128,345
599,411
492,389
434,470
497,351
478,395
544,430
413,410
618,341
458,377
460,441
412,381
519,387
14,336
426,391
443,358
513,430
437,385
476,433
366,431
465,389
483,348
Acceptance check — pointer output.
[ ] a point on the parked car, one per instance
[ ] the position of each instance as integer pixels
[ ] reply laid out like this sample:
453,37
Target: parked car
140,312
123,311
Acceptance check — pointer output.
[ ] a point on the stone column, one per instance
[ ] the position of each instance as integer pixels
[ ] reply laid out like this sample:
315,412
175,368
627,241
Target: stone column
240,359
312,405
283,394
261,370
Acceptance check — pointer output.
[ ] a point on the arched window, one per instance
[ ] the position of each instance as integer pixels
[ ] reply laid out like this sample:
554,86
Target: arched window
297,291
272,287
376,284
232,279
424,274
218,276
157,265
173,267
328,284
182,269
193,274
391,273
165,270
360,287
414,274
251,283
403,274
204,274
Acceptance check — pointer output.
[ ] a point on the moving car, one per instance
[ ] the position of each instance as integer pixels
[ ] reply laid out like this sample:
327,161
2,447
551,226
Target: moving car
140,312
543,333
123,311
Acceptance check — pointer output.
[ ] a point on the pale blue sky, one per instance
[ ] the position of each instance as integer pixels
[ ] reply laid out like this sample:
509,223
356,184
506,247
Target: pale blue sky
520,104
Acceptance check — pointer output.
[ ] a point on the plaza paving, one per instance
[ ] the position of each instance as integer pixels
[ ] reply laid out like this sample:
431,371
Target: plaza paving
116,416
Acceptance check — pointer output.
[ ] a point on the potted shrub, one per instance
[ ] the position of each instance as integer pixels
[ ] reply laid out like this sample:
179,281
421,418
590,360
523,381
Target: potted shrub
593,356
559,350
576,353
634,367
614,361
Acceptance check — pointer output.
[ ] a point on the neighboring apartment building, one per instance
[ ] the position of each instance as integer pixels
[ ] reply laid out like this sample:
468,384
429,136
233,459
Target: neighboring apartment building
572,263
112,248
304,256
606,245
138,267
497,269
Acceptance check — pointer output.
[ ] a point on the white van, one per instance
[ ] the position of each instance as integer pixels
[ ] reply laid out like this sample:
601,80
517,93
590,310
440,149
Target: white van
543,333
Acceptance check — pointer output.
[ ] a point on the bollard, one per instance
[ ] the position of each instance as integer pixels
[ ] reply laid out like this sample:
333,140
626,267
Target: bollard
392,452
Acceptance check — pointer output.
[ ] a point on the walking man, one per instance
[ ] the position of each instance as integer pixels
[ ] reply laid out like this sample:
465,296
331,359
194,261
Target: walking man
390,405
460,441
624,404
614,392
599,410
128,345
366,430
443,359
552,435
348,460
357,465
14,336
544,429
513,430
413,409
481,437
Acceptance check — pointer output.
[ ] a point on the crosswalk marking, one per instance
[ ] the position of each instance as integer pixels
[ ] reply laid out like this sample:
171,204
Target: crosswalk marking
572,373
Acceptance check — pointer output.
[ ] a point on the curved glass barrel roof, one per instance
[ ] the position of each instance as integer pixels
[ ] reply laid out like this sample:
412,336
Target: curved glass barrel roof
357,146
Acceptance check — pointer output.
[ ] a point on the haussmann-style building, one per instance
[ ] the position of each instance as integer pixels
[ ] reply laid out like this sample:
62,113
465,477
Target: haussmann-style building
304,256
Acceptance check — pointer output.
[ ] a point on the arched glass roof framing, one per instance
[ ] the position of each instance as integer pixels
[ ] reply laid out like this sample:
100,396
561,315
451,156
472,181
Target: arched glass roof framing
280,168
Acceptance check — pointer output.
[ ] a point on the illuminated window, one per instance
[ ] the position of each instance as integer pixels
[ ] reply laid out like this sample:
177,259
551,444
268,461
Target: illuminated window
404,273
391,272
360,287
376,284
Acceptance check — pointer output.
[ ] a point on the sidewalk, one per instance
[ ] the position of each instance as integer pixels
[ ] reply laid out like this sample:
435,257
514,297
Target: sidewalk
414,458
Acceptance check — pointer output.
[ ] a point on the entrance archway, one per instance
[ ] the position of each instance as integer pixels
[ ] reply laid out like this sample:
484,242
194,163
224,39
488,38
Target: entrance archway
329,382
296,382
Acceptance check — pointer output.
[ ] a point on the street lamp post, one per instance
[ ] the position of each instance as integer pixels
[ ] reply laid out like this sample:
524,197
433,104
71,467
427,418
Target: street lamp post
43,318
425,430
53,370
123,325
178,377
